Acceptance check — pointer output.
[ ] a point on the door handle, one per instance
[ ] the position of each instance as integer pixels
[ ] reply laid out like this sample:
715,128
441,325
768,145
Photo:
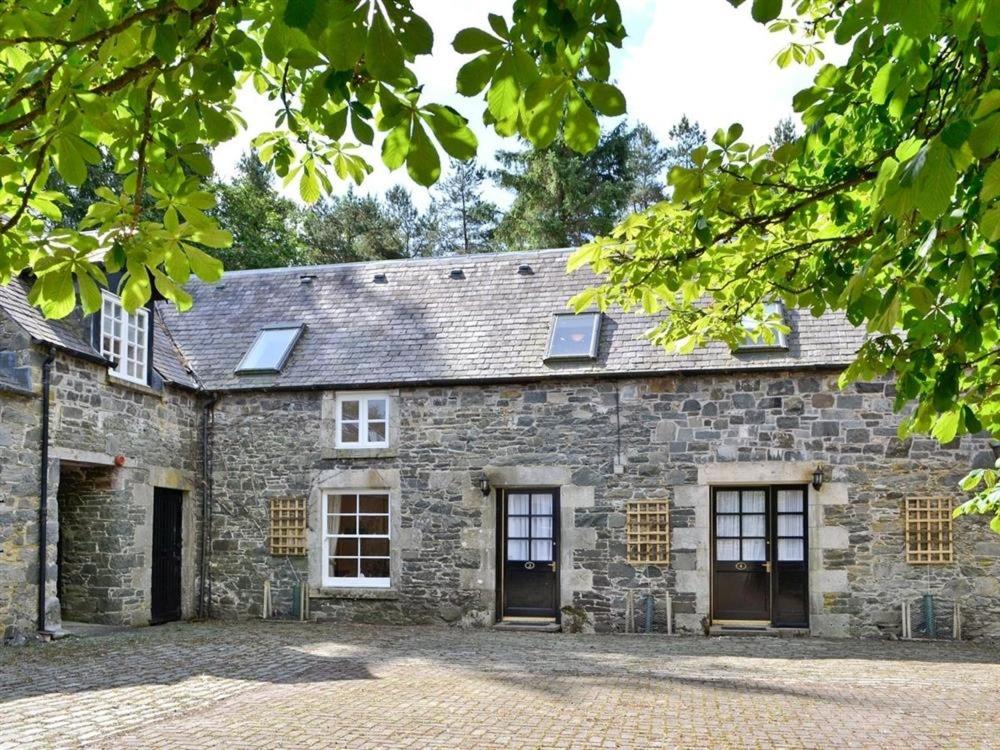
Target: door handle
554,565
767,566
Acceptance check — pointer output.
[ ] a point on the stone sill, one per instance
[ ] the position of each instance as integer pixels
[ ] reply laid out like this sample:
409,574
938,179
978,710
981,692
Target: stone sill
353,593
15,389
334,453
149,391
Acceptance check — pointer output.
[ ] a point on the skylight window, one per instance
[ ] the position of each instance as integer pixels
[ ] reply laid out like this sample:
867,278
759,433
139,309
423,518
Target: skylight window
757,339
271,349
574,335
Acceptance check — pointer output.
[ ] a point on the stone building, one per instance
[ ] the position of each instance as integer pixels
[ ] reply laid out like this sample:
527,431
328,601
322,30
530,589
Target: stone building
437,441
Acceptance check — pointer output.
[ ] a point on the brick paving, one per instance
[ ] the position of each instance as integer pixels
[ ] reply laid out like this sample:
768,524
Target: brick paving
285,685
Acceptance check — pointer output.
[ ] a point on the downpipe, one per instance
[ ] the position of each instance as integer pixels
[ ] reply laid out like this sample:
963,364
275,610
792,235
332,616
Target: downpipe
204,589
43,489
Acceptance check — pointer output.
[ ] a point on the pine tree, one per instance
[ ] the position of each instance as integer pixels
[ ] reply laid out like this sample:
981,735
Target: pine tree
468,220
786,131
685,136
646,165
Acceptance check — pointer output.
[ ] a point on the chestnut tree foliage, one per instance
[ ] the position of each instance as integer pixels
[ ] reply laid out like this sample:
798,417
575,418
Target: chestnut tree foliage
887,208
151,85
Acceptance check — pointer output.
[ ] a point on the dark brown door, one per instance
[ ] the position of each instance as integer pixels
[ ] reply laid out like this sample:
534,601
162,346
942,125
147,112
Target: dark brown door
529,553
759,552
166,579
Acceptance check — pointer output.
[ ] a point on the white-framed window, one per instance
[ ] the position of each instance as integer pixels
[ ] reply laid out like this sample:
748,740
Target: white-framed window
574,335
757,338
271,349
356,538
362,420
125,338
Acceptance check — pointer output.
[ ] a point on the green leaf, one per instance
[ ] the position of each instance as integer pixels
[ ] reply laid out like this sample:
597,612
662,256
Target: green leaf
90,294
991,183
607,99
205,267
582,130
422,161
69,162
504,94
165,42
396,145
309,186
383,52
298,13
935,182
884,82
471,40
475,74
452,132
765,11
985,137
989,225
946,426
545,100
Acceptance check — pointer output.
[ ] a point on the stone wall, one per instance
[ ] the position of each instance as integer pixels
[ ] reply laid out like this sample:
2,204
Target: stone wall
663,433
94,418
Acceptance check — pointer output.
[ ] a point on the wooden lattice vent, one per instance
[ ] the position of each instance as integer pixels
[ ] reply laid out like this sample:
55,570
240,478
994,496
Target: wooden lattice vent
288,526
928,530
647,532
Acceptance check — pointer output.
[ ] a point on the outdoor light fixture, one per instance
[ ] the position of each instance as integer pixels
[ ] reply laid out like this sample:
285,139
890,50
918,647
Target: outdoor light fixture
817,477
484,484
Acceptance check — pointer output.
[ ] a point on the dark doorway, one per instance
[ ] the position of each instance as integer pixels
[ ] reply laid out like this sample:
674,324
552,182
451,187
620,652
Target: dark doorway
166,580
528,555
759,553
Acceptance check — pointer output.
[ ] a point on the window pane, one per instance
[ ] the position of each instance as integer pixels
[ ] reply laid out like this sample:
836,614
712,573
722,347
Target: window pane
344,567
573,335
727,525
789,501
790,525
790,549
377,567
754,526
541,505
376,432
517,504
517,549
727,502
342,504
754,550
376,408
350,410
541,550
517,526
753,501
349,432
374,504
343,524
727,549
373,525
344,546
374,547
541,527
269,349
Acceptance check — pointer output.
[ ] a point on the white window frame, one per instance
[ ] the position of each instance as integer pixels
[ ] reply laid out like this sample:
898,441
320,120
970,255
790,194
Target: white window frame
130,322
780,342
359,581
362,398
280,364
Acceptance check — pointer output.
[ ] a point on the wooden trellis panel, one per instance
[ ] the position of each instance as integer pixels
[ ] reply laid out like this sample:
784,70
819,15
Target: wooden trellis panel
288,526
647,532
928,530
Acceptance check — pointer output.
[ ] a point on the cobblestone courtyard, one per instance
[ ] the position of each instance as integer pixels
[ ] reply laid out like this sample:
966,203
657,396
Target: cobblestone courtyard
270,685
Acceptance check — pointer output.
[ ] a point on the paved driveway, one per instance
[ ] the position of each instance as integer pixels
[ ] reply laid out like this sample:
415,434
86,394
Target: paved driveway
270,685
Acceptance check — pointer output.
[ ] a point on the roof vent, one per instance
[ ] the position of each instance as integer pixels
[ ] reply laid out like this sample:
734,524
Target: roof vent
307,278
380,278
457,273
220,286
525,270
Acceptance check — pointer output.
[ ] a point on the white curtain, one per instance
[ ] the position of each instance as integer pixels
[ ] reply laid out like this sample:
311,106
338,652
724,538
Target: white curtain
727,525
755,525
727,501
727,550
517,505
541,505
754,550
517,526
541,550
789,501
790,525
541,527
790,549
517,549
754,501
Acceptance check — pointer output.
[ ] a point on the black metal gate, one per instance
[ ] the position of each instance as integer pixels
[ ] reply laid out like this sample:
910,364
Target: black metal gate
166,581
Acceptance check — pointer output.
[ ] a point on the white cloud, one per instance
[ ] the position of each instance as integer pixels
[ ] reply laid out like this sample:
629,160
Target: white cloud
702,58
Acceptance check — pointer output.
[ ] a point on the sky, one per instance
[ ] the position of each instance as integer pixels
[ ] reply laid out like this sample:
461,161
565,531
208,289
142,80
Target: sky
702,58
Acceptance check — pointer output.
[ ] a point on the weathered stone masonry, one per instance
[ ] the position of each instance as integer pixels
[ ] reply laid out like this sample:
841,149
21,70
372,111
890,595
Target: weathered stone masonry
678,436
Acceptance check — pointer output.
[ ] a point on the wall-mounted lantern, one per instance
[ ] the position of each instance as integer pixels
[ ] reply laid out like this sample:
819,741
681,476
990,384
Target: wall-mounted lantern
817,477
484,484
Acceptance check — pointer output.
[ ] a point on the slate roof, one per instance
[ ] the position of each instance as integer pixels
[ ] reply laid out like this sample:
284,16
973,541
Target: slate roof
69,334
423,326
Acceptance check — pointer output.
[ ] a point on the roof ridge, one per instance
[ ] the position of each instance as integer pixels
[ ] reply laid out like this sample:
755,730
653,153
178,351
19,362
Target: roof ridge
393,262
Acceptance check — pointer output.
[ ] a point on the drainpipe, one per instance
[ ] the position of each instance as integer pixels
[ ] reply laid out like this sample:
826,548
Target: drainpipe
43,490
204,589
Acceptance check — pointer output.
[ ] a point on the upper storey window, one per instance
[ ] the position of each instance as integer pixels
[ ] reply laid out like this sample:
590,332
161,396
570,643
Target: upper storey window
125,339
362,420
574,335
760,337
271,349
